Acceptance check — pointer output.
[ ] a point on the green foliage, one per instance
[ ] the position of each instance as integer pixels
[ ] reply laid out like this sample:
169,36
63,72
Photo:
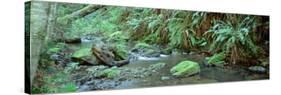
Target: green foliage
121,51
119,44
118,36
68,87
234,38
56,83
141,45
216,58
182,27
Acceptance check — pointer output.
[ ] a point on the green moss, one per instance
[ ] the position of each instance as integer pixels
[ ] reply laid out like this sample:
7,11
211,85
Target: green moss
185,68
82,53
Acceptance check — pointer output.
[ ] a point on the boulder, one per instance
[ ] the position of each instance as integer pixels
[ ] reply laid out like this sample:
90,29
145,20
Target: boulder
84,57
185,68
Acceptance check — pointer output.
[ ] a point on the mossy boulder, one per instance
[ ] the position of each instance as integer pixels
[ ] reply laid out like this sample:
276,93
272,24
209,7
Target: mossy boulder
82,53
84,56
185,68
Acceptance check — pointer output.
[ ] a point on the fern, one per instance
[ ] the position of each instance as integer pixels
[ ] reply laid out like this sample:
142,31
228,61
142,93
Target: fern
229,36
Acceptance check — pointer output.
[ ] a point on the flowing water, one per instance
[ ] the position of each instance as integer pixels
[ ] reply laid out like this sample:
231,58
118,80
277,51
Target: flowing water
207,74
163,76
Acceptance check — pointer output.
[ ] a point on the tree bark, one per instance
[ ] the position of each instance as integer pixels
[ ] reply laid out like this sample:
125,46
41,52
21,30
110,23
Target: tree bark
107,58
51,34
38,26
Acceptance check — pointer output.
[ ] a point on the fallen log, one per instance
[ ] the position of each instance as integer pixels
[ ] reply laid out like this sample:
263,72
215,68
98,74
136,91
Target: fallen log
107,58
80,13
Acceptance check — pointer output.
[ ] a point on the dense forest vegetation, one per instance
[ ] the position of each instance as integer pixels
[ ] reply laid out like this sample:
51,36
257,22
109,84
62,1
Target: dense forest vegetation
90,47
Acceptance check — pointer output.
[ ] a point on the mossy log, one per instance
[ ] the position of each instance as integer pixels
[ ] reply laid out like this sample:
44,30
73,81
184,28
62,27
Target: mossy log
80,13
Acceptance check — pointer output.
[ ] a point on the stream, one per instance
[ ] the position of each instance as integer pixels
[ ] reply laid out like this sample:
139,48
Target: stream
137,74
207,75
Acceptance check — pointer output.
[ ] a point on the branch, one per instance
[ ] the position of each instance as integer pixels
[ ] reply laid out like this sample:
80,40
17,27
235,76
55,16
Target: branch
80,13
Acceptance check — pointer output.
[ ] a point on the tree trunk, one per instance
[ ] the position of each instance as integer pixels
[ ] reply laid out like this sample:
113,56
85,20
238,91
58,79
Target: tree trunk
38,19
80,13
51,34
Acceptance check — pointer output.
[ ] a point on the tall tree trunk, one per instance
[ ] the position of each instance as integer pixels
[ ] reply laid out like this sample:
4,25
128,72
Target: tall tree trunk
51,33
37,30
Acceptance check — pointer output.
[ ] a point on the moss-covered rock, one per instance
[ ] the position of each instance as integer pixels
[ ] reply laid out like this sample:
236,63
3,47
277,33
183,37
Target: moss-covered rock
84,56
185,68
110,73
82,53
